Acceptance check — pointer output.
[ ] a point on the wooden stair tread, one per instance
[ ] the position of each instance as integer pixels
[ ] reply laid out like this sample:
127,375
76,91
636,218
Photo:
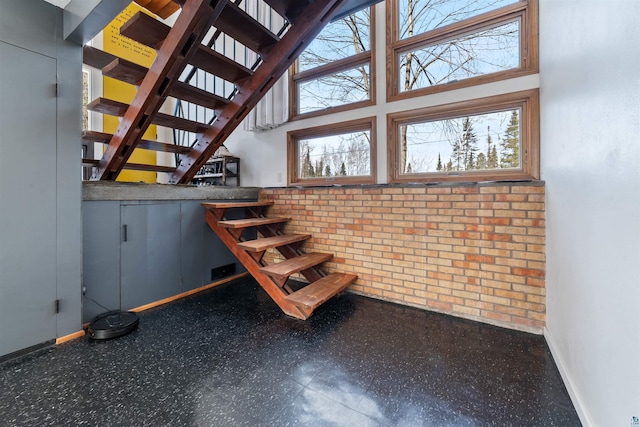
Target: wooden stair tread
125,71
162,8
186,92
96,58
116,108
251,222
263,244
104,138
289,9
229,205
204,58
149,168
217,64
135,166
129,72
294,265
318,292
240,26
233,21
145,29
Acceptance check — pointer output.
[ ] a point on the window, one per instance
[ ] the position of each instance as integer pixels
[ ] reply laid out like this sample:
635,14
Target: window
485,139
342,153
439,45
335,72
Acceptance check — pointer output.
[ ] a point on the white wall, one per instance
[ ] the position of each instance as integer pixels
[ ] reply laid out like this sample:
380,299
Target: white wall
590,127
264,154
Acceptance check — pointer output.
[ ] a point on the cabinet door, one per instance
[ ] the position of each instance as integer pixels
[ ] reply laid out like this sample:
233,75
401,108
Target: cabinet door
28,265
100,257
150,253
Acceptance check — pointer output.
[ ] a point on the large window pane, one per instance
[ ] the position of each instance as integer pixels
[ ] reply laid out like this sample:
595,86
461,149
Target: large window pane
479,142
487,51
345,87
339,40
347,154
419,16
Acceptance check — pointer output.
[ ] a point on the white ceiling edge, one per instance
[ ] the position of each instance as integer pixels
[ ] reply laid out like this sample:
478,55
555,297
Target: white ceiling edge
60,3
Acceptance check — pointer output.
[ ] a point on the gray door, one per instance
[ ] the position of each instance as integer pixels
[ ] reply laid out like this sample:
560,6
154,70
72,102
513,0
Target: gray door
150,253
27,198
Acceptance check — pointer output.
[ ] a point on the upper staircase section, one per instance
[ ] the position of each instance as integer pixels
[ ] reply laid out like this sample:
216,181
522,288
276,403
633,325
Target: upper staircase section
183,45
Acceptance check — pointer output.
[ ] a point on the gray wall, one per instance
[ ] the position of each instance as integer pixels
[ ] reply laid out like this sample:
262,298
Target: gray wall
590,122
40,195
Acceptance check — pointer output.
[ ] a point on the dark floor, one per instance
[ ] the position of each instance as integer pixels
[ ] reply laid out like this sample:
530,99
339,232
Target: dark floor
229,357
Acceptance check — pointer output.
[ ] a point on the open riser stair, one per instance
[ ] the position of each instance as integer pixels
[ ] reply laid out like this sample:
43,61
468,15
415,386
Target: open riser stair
274,278
182,50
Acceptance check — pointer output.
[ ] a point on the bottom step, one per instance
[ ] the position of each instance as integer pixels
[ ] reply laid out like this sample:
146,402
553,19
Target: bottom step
316,293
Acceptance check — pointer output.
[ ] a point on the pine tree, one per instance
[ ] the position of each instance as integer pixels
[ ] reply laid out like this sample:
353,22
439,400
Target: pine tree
481,161
492,154
492,161
343,170
471,161
409,169
469,144
457,155
439,166
449,167
510,145
327,170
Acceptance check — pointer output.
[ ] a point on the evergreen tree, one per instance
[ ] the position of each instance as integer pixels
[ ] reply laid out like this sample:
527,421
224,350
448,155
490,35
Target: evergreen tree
457,155
481,161
510,145
409,169
327,170
465,147
439,166
343,170
469,144
471,161
449,167
492,161
492,154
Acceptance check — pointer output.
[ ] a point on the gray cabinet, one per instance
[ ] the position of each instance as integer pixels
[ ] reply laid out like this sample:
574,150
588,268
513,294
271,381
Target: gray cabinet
100,257
139,252
149,253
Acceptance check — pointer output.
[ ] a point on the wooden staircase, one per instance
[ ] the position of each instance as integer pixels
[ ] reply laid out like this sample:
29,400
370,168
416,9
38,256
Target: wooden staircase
274,277
181,46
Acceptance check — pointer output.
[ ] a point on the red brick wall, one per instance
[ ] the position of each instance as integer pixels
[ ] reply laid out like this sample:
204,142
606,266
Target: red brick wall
475,251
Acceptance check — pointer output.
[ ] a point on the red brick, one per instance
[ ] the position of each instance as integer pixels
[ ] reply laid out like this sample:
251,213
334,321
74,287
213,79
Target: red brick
480,258
528,272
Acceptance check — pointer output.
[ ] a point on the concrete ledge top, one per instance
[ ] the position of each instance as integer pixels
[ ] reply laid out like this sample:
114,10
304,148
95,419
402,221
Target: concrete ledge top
109,190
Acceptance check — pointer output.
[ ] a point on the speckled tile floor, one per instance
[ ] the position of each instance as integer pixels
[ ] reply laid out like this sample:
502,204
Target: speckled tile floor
229,357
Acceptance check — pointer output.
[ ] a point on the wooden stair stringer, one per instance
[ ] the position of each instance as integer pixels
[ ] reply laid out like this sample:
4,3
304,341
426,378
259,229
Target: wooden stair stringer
279,58
253,267
180,45
273,277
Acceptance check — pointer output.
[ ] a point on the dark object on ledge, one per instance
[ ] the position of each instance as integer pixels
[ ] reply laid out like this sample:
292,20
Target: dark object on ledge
112,324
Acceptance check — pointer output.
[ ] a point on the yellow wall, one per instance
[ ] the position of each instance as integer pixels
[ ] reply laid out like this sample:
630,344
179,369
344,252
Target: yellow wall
123,47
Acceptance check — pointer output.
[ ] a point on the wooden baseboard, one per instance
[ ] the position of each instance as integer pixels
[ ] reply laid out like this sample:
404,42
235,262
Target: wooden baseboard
187,293
158,303
70,337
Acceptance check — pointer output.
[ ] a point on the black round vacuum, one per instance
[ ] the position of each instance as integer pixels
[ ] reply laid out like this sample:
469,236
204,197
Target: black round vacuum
112,324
